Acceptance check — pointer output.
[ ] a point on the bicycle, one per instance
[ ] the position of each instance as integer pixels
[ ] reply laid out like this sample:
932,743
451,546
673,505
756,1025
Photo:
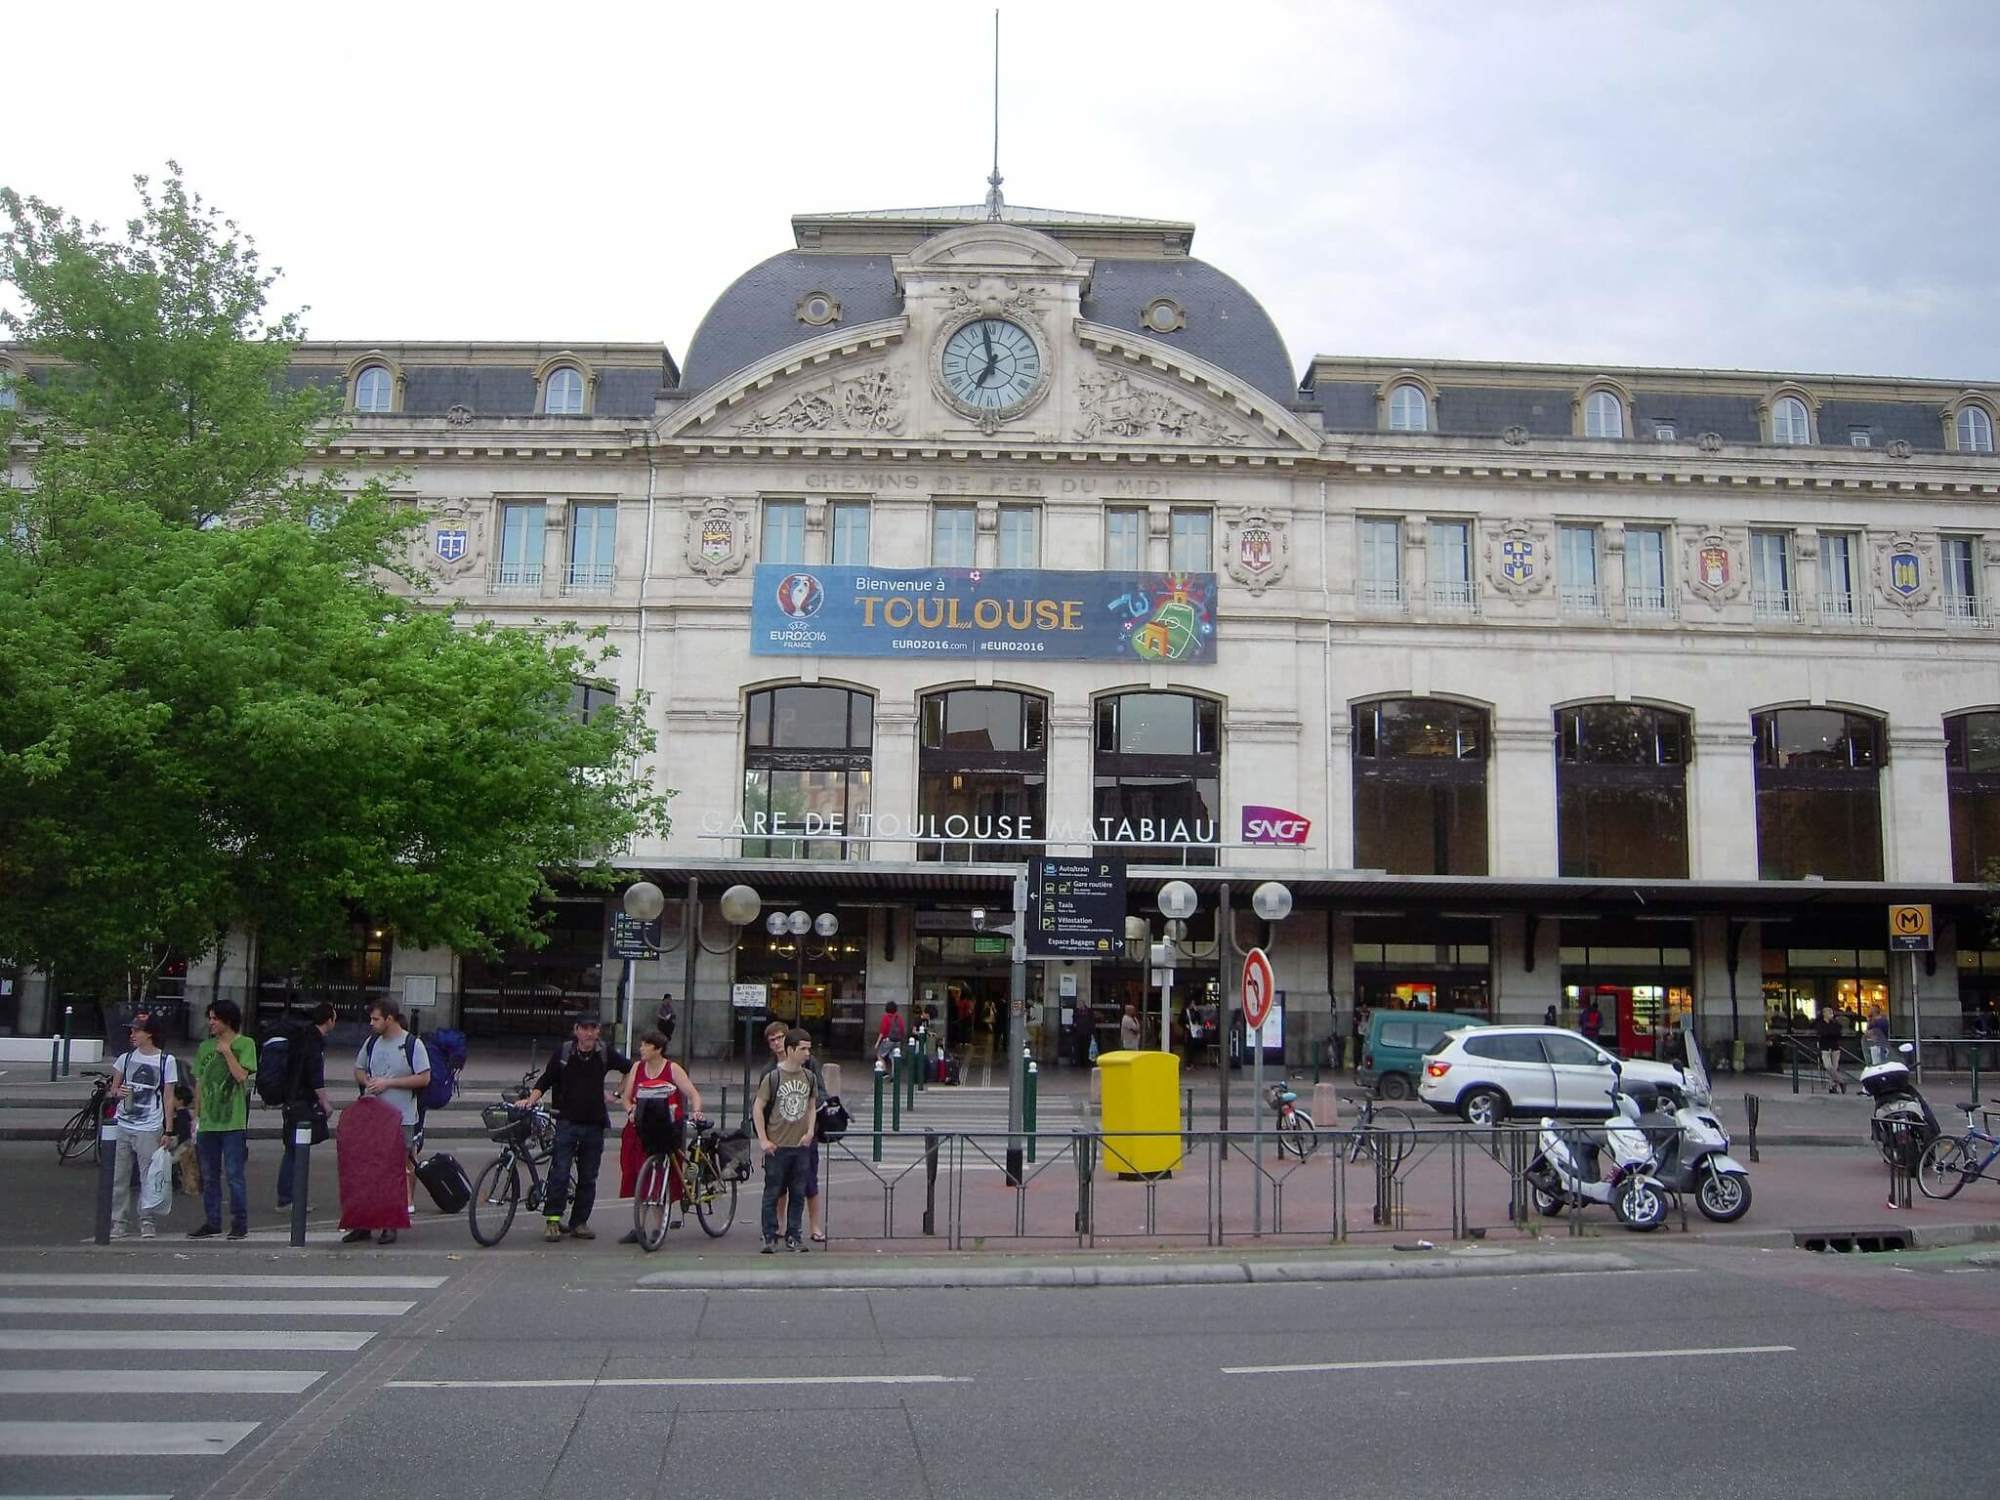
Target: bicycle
1296,1133
81,1131
1383,1132
709,1180
527,1137
1950,1161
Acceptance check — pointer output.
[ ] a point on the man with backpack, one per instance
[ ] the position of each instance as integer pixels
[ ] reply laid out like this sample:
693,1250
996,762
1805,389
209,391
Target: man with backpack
394,1067
576,1075
292,1064
142,1081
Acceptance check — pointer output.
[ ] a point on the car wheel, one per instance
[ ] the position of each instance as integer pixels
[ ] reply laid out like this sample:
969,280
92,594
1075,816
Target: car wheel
1482,1106
1394,1086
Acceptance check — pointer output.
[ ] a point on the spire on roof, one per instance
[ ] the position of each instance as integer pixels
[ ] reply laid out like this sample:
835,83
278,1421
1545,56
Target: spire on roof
994,202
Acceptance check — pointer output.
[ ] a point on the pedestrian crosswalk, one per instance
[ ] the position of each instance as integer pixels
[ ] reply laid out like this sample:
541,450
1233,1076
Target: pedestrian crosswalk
111,1382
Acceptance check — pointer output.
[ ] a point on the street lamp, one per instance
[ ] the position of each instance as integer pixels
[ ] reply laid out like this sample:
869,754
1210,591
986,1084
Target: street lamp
798,924
739,905
643,903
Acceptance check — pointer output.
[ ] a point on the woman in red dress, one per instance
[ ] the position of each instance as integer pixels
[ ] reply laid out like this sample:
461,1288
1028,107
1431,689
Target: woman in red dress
654,1077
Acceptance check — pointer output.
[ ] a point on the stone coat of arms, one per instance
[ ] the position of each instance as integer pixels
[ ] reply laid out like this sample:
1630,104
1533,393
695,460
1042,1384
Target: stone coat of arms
1517,559
454,537
1257,549
1906,566
718,538
1715,567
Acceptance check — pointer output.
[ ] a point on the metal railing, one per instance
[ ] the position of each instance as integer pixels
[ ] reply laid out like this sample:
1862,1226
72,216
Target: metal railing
1967,609
588,578
1779,605
1843,609
1455,596
517,575
1380,597
1649,603
1580,601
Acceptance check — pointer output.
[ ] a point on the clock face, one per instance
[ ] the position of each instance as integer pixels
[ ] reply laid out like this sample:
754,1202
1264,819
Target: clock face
991,365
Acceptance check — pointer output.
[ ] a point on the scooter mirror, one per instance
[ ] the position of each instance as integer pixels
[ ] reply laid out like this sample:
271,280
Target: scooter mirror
1907,1048
1617,1068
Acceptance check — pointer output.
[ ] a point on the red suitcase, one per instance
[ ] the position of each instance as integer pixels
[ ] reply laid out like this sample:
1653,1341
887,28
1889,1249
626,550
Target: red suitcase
369,1147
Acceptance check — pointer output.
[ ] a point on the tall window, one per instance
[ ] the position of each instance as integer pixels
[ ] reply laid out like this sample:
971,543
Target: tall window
807,764
8,398
1159,775
1576,571
1420,787
850,534
563,396
1819,803
1603,415
1020,536
374,389
1840,597
1961,577
1789,423
982,771
952,530
1409,410
1771,575
1975,429
1972,783
1448,560
593,541
521,531
1646,593
784,539
1190,547
1124,540
1621,791
1380,585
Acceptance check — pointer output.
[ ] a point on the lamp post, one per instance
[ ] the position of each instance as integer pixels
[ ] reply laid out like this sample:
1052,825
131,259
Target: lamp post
643,903
740,905
798,923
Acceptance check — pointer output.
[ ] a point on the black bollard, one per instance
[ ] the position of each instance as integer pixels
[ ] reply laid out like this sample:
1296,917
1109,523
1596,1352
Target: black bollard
302,1137
107,1172
1752,1107
930,1180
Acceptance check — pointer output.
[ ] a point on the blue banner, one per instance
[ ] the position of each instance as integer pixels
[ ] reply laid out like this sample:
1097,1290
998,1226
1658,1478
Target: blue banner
1052,614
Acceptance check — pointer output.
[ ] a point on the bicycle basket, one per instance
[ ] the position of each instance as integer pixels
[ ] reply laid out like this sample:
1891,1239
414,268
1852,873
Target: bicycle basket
509,1127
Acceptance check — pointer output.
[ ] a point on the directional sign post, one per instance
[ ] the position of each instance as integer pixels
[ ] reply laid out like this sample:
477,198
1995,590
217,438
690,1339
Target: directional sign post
1909,929
1260,983
1076,908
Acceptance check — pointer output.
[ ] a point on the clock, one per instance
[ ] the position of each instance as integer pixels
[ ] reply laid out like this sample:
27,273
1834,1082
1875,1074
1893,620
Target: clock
990,367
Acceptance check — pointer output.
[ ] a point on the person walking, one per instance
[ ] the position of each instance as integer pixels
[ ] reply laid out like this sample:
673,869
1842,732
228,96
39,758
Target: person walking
142,1081
306,1102
1129,1029
393,1066
1591,1022
657,1082
784,1114
223,1066
1826,1036
890,1031
1082,1030
576,1076
665,1019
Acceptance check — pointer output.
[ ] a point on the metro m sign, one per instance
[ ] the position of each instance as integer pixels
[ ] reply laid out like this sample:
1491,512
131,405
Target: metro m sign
1273,825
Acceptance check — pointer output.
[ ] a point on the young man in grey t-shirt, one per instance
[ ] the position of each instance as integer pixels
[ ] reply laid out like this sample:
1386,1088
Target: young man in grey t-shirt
392,1066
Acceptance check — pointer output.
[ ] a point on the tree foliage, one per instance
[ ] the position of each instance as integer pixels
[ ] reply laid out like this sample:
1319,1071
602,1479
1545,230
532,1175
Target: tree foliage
223,701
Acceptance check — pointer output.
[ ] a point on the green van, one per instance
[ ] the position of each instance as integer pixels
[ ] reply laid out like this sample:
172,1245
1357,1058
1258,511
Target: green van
1392,1054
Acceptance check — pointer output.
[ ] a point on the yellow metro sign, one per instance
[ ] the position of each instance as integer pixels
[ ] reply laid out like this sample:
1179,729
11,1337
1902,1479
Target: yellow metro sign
1910,929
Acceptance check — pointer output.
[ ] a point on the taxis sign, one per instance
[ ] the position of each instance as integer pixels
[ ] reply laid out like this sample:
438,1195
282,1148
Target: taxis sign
1909,929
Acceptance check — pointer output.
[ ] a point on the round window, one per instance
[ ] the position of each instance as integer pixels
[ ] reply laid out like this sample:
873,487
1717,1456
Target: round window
818,309
1164,315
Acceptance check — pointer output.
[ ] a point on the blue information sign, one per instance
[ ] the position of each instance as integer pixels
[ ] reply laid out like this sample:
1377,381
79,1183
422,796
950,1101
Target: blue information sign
1034,612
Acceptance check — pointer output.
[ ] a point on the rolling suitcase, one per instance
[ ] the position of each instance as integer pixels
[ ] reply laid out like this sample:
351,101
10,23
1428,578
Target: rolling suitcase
446,1182
368,1143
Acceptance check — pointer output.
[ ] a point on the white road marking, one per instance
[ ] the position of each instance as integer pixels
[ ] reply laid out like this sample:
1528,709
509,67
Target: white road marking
672,1380
193,1307
1507,1359
120,1439
223,1283
184,1340
145,1382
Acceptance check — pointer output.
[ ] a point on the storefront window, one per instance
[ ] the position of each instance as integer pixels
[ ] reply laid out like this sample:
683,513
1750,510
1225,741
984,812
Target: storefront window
1159,776
1972,783
1621,791
982,768
807,767
1420,787
1978,986
1819,807
539,991
1806,979
1407,963
1639,975
815,982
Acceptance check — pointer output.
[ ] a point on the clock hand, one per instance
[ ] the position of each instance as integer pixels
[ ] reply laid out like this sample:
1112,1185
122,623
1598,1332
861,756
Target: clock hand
992,360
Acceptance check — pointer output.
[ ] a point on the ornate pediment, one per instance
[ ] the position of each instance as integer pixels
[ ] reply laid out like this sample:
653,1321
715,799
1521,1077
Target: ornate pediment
868,403
1137,390
1113,403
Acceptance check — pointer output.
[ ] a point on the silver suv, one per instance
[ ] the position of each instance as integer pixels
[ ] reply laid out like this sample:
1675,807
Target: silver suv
1485,1076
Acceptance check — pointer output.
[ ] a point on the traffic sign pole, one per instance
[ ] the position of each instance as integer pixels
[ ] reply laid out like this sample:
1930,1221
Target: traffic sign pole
1259,984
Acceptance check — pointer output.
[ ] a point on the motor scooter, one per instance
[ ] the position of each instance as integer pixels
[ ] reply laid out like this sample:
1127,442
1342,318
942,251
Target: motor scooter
1903,1122
1694,1154
1567,1169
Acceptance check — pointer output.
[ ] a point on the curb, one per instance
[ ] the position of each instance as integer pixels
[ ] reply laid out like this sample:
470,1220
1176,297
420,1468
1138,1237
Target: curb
1046,1274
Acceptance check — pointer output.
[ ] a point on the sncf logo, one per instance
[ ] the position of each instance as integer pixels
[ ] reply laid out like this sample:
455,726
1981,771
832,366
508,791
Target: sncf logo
1273,825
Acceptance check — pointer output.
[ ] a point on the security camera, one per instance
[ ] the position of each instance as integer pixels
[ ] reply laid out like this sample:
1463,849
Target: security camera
978,916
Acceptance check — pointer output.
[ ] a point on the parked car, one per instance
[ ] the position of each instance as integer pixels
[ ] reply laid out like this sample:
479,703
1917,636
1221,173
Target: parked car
1489,1074
1392,1054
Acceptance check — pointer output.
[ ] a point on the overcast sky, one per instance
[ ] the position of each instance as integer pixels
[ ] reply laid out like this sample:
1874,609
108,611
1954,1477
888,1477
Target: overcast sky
1763,185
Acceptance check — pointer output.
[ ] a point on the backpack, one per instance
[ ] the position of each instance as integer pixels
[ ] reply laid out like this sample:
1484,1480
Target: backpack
831,1123
447,1053
280,1063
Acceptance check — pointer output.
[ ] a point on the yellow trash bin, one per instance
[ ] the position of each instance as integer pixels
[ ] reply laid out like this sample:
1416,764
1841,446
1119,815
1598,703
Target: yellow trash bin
1142,1092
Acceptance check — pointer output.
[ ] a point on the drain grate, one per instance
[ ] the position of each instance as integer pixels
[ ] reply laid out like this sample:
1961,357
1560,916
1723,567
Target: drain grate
1853,1241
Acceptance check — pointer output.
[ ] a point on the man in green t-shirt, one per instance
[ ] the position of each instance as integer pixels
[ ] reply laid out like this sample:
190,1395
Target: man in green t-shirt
223,1066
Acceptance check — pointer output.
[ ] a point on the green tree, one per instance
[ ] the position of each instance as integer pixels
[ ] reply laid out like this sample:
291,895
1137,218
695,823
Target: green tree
225,701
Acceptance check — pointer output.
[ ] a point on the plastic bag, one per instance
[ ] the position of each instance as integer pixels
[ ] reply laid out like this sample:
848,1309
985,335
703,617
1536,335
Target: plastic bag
1093,1049
156,1191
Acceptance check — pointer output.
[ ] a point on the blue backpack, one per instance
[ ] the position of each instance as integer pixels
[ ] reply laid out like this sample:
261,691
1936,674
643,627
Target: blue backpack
447,1052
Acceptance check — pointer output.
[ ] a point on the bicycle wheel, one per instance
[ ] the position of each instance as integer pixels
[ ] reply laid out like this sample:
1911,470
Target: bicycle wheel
1946,1166
80,1132
649,1202
495,1197
1393,1134
1296,1135
714,1200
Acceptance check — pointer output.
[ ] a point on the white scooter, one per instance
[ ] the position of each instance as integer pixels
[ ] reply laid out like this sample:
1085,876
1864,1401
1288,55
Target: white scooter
1567,1169
1694,1156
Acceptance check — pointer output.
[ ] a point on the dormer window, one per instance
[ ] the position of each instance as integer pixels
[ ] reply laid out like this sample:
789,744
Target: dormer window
1603,415
1409,409
1975,429
563,395
374,389
1790,424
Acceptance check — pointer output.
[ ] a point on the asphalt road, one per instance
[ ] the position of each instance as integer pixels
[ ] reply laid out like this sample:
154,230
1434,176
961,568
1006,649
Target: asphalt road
1771,1373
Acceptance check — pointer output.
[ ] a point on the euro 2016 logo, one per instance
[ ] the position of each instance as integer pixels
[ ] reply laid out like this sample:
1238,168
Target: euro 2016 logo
800,595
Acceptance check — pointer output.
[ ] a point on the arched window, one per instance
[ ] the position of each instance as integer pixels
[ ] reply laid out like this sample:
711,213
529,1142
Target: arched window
374,389
1819,799
1158,775
1972,785
1975,429
1409,409
1789,423
807,763
1621,791
1420,787
8,399
1603,415
563,395
982,771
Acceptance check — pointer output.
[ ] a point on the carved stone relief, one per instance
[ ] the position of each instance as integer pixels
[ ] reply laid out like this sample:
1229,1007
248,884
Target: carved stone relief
718,538
1716,565
1906,569
1517,558
1257,548
871,402
1118,404
455,538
